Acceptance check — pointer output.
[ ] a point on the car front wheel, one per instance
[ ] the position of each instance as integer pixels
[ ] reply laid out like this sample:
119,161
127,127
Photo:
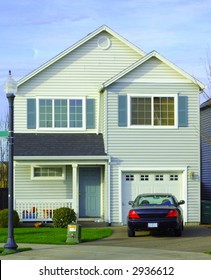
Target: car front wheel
130,233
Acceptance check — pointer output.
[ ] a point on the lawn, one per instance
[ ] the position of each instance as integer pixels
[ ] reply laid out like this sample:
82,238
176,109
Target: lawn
49,235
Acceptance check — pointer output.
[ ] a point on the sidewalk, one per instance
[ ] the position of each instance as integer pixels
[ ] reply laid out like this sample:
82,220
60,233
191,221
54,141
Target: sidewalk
80,252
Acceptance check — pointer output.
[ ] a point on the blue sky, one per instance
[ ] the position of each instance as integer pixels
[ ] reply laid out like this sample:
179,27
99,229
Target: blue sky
33,31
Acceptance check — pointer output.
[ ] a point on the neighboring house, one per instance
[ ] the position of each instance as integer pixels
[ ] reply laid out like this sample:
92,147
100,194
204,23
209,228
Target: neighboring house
206,150
100,123
206,162
3,174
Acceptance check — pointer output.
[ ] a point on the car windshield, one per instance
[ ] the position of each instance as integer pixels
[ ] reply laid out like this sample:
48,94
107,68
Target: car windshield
147,200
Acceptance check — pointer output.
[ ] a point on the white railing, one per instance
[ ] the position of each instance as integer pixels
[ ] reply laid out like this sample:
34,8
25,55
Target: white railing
39,210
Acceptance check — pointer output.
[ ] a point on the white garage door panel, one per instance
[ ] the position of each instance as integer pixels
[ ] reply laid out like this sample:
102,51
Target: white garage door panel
134,183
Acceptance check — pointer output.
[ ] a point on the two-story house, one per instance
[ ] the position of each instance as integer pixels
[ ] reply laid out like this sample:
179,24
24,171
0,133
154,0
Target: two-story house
100,123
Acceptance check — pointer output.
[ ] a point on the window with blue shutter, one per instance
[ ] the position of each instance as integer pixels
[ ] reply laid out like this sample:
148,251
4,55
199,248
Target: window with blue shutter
182,111
31,113
122,110
90,113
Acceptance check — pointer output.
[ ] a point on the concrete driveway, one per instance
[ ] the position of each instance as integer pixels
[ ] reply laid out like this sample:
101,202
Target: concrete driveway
194,239
191,246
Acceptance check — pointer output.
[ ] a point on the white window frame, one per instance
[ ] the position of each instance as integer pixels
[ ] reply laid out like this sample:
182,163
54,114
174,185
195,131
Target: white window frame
130,96
47,178
68,113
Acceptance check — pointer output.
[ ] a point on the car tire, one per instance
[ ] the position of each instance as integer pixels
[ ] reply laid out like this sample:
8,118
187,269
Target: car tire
178,232
130,233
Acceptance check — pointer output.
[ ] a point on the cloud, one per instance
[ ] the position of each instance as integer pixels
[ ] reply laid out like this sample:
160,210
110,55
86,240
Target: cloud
35,53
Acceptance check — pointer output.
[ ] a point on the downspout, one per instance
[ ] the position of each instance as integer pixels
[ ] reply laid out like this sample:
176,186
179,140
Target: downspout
101,89
98,113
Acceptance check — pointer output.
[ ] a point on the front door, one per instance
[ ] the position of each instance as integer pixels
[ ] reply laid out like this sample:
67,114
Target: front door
89,192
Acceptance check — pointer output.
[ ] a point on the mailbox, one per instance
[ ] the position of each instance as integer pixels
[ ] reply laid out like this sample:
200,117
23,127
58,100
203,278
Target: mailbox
73,233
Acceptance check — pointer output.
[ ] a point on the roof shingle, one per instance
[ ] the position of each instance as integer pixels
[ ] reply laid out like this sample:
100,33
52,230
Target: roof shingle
52,144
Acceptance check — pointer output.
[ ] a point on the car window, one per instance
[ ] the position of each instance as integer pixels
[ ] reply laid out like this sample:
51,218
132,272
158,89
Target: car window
154,200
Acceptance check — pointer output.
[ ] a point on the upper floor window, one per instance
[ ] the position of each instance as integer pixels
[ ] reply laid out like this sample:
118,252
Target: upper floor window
72,113
61,113
152,111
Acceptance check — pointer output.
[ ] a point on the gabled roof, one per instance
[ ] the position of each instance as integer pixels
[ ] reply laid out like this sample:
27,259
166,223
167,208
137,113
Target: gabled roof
142,61
206,104
78,44
58,144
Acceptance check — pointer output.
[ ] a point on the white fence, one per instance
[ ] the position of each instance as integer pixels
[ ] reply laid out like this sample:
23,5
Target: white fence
39,210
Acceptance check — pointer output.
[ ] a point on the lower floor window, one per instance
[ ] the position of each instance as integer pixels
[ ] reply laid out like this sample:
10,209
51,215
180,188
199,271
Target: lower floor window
48,172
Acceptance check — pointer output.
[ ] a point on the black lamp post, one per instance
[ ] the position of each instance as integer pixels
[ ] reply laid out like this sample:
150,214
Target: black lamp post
10,88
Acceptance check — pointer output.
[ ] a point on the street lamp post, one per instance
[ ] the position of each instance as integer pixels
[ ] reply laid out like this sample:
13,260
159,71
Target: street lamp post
10,88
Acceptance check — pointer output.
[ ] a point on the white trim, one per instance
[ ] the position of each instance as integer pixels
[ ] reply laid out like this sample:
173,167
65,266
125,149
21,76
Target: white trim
184,170
64,159
152,126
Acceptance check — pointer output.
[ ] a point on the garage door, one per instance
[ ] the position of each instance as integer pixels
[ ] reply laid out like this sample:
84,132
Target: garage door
134,183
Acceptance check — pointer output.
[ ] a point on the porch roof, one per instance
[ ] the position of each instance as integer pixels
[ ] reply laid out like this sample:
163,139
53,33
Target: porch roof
60,144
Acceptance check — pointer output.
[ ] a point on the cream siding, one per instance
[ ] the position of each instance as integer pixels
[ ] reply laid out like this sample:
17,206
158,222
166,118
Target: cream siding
141,148
28,188
79,73
154,70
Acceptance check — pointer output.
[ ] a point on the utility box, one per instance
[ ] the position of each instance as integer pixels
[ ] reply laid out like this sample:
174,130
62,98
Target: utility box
73,233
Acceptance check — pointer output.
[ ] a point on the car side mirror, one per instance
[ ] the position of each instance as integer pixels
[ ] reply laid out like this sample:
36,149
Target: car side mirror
131,203
181,202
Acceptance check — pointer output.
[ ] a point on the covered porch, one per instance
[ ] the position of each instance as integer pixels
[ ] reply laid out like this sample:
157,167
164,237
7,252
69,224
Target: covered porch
84,186
61,170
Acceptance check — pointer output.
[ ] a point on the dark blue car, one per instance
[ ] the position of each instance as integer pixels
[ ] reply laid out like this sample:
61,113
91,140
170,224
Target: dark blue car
155,212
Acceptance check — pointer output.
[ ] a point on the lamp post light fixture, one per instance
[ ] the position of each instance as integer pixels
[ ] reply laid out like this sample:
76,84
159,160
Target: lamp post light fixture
10,88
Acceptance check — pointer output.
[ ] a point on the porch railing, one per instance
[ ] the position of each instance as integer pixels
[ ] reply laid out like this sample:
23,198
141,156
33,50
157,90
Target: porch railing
39,210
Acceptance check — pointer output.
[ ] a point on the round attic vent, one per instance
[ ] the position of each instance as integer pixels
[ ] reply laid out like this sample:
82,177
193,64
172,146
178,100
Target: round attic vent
104,42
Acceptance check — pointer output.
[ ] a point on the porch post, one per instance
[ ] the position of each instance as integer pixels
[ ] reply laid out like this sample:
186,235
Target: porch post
75,185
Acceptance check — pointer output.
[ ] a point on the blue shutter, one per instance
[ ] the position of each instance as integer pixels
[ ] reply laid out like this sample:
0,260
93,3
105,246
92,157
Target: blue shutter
122,110
31,113
183,111
90,113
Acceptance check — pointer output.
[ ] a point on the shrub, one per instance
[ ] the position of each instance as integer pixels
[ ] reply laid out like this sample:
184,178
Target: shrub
4,218
63,216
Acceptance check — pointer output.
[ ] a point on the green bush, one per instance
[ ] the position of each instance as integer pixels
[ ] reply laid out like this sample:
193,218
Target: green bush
4,218
63,216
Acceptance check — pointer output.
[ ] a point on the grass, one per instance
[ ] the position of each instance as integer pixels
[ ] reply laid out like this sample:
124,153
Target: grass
208,252
48,235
